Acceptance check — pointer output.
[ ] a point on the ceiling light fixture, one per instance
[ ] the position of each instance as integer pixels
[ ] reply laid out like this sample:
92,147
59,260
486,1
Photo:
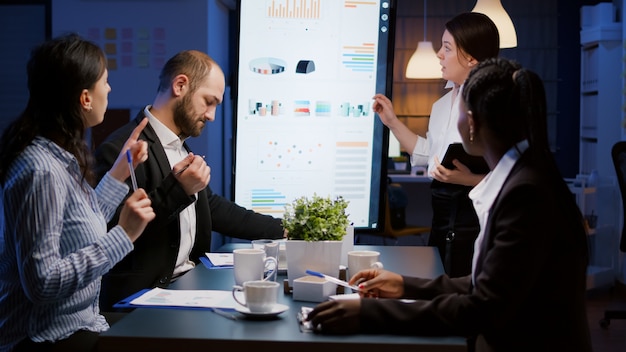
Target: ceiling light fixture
499,16
424,63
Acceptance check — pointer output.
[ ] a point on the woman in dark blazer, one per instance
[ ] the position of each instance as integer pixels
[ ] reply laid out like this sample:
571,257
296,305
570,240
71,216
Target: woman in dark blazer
527,287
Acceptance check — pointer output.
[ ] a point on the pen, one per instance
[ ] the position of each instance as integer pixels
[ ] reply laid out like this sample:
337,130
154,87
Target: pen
184,168
332,279
181,170
132,169
223,313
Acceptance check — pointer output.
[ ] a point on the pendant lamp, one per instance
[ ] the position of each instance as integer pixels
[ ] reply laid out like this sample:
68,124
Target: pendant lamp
424,63
497,13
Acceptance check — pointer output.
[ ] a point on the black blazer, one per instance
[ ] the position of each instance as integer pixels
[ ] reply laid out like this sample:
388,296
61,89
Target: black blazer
151,263
530,276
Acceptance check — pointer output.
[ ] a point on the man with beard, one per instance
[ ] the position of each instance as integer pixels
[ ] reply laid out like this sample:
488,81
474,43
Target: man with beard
191,85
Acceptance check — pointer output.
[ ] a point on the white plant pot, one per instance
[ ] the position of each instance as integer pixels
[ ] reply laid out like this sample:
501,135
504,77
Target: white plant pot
321,256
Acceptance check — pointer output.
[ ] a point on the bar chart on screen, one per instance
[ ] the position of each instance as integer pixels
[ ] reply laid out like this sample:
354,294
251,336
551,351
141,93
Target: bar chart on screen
305,125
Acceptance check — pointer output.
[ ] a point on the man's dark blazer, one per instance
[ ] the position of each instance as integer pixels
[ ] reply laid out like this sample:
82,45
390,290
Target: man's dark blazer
152,261
529,292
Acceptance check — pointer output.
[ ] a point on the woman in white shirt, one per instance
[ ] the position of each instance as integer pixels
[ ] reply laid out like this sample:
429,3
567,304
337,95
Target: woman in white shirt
468,39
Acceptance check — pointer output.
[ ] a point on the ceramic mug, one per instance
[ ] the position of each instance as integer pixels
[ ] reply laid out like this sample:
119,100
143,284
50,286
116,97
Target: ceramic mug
249,265
271,248
361,260
260,296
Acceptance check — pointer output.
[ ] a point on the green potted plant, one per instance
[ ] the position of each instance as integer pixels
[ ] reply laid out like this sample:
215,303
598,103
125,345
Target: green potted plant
315,228
316,219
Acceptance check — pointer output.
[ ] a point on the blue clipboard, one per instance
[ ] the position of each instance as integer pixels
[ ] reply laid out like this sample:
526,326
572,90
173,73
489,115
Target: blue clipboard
209,265
125,303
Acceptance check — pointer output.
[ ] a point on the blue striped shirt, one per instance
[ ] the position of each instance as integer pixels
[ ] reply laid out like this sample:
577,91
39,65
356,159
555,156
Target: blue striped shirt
54,246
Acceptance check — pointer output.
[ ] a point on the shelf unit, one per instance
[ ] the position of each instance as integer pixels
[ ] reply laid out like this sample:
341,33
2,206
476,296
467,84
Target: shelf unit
602,259
600,127
600,89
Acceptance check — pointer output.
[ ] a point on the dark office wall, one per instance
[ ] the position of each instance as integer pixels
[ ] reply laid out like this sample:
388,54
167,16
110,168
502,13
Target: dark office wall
548,34
138,37
23,24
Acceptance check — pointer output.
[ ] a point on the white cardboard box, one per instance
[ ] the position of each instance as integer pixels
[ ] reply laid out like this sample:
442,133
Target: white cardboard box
312,289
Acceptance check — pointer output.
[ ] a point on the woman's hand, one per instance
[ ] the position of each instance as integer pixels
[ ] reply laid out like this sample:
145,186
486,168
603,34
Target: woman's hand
461,175
136,213
378,283
336,316
138,150
383,107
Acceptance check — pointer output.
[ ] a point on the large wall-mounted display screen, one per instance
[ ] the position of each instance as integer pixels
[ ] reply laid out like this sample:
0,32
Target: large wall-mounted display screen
307,72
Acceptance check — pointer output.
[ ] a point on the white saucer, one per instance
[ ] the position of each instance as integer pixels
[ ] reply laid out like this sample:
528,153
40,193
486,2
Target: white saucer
278,308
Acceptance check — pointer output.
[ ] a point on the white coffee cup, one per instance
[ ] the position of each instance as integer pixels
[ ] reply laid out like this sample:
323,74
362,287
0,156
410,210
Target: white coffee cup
271,250
361,260
260,296
249,264
269,246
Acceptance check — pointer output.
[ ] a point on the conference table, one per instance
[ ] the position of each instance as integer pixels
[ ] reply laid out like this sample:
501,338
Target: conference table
160,329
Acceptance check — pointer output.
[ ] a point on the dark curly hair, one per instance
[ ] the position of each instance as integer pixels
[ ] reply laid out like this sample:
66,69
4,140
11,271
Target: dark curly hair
510,101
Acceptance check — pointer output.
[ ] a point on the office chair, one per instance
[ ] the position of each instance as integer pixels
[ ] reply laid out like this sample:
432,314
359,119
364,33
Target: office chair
617,310
395,225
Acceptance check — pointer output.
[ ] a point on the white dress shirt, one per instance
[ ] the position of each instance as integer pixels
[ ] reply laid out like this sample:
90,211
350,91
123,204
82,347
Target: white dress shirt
486,191
442,129
176,152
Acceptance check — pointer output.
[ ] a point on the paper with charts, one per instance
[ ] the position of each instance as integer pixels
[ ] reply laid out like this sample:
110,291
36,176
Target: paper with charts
221,259
186,298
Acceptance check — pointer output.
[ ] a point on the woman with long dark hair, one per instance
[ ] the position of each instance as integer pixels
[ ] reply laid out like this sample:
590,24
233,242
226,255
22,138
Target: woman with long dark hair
54,243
